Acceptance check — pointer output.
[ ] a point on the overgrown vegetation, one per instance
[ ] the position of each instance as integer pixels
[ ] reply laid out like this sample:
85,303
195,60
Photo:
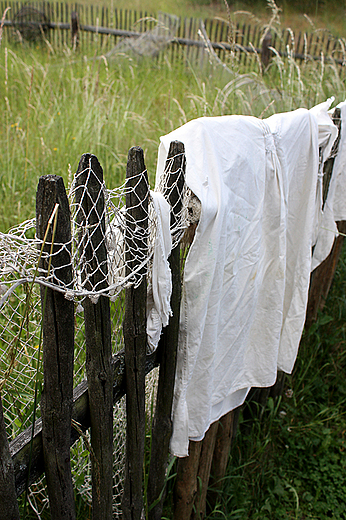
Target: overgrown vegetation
58,104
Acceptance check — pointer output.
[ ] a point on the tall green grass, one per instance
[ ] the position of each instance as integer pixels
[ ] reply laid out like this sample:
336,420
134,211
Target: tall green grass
58,104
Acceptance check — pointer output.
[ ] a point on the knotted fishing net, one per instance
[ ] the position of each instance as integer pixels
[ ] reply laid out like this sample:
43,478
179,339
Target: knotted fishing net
99,219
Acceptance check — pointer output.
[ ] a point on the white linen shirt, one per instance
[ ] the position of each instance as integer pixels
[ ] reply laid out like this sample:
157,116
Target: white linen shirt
238,305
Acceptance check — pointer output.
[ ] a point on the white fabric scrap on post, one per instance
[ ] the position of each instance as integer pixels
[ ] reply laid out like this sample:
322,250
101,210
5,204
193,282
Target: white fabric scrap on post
338,182
247,272
160,290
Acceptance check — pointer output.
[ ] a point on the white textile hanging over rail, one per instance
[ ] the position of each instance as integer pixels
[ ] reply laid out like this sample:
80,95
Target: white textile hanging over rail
335,205
247,272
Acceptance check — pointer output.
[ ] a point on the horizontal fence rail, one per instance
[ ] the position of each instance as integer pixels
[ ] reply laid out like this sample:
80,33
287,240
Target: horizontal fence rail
76,24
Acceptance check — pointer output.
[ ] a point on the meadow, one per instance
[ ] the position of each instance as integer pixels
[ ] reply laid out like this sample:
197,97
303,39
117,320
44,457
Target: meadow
57,103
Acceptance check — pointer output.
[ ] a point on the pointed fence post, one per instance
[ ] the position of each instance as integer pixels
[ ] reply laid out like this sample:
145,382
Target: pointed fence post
94,271
162,424
135,336
266,52
58,346
8,497
74,29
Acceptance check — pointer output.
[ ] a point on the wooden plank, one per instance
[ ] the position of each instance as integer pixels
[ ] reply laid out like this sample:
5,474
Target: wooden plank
185,489
297,49
322,278
74,29
135,336
99,370
247,44
162,423
58,347
203,474
227,428
8,498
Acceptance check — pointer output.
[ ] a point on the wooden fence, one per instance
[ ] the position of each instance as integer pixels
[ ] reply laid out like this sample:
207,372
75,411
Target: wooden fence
103,27
46,447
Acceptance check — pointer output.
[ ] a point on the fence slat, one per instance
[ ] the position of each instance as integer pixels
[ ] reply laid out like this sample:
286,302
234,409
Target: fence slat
58,348
135,336
89,194
8,498
203,474
185,489
162,424
225,436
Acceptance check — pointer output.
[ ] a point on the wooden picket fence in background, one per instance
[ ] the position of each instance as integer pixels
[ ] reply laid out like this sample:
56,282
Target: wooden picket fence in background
88,25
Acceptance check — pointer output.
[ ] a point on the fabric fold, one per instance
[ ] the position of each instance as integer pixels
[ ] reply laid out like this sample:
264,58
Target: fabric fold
335,205
160,288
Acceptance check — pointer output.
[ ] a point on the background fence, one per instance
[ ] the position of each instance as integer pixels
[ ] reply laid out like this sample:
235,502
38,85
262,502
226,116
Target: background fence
69,24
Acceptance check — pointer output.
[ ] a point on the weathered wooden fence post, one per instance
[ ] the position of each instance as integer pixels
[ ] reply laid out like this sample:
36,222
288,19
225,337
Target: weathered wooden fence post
8,497
227,427
74,29
266,52
58,345
185,489
94,271
135,336
162,424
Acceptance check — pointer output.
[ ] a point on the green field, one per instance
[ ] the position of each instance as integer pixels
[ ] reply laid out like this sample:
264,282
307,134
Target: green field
59,103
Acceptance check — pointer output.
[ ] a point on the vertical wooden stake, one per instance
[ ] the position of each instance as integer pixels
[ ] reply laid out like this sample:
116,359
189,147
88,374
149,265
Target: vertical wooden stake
266,52
322,278
8,497
162,424
135,335
58,349
205,461
225,436
185,489
74,29
94,271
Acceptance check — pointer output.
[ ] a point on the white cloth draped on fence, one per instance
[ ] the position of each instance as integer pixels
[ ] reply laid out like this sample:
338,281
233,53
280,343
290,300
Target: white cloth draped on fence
247,272
335,205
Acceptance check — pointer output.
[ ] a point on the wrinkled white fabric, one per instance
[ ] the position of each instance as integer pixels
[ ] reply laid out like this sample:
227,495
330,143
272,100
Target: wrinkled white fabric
335,204
160,290
327,133
296,137
235,291
338,185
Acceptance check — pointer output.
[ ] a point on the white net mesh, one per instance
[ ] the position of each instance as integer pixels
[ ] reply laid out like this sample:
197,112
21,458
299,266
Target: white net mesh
21,274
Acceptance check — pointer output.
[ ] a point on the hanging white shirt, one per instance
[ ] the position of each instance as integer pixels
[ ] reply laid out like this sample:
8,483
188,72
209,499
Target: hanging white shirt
235,272
296,137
